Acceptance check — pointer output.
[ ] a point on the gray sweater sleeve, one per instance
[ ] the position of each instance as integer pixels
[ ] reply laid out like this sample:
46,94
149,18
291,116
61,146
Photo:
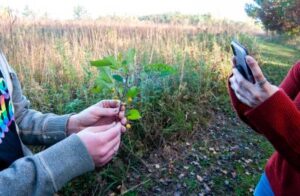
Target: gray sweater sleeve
35,127
46,172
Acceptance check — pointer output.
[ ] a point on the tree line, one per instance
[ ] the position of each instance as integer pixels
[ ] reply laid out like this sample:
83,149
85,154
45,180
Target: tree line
281,16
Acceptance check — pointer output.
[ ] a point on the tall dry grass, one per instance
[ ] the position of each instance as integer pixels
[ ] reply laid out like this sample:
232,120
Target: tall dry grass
49,54
40,45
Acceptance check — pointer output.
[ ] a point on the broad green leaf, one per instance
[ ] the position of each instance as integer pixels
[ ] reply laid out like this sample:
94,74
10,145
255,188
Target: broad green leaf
108,61
104,75
134,114
118,78
132,92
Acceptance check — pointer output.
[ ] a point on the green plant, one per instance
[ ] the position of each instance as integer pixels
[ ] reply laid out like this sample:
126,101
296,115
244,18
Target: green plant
115,77
120,77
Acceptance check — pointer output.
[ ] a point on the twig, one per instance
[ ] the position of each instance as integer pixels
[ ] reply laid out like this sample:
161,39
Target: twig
136,186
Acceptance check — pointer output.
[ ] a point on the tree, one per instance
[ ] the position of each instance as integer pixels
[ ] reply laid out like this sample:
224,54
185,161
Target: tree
276,15
80,12
28,13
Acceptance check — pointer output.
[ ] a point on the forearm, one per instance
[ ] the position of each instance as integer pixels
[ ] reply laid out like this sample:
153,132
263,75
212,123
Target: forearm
42,129
46,172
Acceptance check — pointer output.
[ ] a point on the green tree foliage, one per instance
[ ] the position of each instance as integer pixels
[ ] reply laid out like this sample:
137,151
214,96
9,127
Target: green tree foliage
80,12
276,15
28,13
176,18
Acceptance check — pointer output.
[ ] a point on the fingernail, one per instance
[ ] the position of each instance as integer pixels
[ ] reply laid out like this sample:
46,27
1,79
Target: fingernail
248,59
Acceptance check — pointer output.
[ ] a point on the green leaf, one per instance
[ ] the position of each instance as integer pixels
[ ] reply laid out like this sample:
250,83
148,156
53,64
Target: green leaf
109,61
100,86
118,78
124,63
106,61
120,57
161,69
132,92
104,75
96,90
134,114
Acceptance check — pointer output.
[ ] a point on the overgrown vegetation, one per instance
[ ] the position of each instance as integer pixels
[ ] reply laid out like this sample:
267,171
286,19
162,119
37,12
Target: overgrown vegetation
176,102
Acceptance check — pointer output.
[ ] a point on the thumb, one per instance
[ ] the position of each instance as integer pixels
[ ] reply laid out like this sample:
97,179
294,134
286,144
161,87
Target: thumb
233,60
256,71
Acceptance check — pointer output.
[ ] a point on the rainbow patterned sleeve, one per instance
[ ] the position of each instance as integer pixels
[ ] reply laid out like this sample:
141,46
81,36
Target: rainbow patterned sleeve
6,110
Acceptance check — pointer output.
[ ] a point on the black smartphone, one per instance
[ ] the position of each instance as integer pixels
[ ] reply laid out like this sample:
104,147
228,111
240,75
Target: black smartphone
240,53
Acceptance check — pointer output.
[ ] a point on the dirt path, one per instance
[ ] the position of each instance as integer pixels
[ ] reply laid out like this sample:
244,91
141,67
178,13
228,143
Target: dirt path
225,158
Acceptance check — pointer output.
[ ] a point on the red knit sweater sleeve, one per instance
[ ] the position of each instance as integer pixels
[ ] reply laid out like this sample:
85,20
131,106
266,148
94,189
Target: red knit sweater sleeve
278,118
291,83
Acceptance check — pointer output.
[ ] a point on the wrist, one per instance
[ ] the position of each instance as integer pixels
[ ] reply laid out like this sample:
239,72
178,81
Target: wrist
272,90
73,125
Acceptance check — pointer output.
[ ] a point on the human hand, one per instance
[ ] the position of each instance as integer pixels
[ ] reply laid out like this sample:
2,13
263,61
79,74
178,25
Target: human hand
102,142
103,113
248,93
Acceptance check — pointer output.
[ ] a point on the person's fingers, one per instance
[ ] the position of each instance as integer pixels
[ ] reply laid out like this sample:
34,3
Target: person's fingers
241,81
123,107
124,121
113,145
111,133
107,120
256,71
121,114
109,103
108,158
233,60
101,112
233,84
231,79
123,129
243,99
101,128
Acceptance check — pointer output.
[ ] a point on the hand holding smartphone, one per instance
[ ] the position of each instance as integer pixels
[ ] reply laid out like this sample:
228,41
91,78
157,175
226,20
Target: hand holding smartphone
240,53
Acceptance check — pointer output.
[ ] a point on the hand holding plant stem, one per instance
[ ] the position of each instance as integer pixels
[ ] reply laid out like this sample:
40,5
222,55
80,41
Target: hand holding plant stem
116,78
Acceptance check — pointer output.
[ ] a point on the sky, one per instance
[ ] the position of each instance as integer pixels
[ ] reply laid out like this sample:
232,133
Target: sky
63,9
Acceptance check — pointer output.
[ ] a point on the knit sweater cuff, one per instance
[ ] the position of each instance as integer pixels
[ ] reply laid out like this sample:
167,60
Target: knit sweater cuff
55,128
277,114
